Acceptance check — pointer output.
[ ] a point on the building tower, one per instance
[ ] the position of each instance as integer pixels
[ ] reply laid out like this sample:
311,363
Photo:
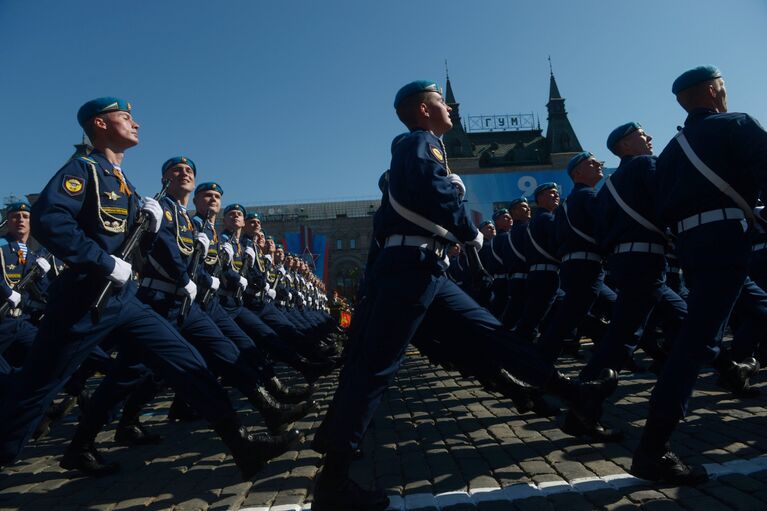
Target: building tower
560,136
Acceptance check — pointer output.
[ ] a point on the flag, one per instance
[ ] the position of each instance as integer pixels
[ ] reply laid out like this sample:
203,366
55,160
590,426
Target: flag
312,248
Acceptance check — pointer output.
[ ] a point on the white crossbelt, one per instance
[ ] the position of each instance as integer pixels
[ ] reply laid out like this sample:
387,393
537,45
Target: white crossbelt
408,240
639,247
518,275
675,270
161,285
500,275
758,246
543,267
581,256
715,215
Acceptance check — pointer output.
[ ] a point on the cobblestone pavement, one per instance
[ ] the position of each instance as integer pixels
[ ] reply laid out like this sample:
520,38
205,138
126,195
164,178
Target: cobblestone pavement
439,442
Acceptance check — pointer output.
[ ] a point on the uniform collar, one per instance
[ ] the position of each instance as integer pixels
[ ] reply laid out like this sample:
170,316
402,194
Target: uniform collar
106,165
698,114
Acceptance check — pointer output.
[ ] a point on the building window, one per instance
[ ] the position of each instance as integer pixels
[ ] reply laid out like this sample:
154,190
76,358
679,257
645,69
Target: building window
339,244
352,244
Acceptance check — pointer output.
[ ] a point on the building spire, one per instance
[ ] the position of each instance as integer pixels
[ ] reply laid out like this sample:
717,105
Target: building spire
559,133
449,96
553,89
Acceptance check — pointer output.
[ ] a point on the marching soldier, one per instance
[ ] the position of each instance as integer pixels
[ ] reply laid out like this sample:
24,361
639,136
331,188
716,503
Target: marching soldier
709,177
512,252
83,216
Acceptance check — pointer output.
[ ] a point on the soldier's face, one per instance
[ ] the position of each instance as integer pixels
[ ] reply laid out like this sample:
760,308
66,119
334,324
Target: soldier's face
503,222
520,211
548,199
120,129
234,220
279,256
207,201
270,245
438,113
637,143
488,231
721,95
260,240
589,172
254,225
182,179
18,224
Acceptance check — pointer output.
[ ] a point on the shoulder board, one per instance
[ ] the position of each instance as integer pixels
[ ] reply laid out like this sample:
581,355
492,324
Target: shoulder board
85,159
3,242
225,237
197,220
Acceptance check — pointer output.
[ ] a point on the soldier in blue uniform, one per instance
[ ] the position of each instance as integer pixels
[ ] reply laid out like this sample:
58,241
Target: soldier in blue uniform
408,280
16,260
512,253
83,216
630,231
580,274
709,177
495,264
542,263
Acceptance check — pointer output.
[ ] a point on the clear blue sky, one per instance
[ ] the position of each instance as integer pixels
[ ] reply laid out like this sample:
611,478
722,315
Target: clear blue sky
291,100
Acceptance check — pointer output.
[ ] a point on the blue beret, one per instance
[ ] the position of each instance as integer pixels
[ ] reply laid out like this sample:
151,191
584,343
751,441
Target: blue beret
269,237
521,200
620,132
279,246
544,187
18,206
252,215
575,160
176,160
210,185
233,207
695,76
485,223
499,212
99,106
414,88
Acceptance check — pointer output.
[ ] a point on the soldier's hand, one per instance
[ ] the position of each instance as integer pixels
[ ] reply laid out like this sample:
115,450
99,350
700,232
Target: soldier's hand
456,180
215,283
476,242
243,283
251,253
190,289
229,251
153,211
203,240
271,293
121,273
14,299
43,264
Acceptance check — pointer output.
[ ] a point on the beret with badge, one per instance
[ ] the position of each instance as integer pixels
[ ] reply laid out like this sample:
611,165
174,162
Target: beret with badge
98,106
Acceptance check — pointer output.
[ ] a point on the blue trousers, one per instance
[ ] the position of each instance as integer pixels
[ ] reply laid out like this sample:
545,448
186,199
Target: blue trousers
751,308
641,288
407,282
517,293
541,292
68,334
581,282
714,258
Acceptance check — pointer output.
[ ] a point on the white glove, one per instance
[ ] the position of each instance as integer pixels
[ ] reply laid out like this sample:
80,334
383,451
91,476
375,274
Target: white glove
122,272
758,211
153,210
191,290
43,264
243,283
229,251
215,283
271,293
290,295
476,242
456,181
203,240
14,299
267,287
250,252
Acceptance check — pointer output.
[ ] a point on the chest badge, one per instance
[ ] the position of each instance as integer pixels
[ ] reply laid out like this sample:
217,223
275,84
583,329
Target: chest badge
436,152
11,266
168,216
112,195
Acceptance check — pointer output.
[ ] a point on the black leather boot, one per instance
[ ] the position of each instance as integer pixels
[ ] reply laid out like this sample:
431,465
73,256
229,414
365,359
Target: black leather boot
129,430
334,491
251,452
735,376
81,453
654,460
285,394
182,412
278,416
585,401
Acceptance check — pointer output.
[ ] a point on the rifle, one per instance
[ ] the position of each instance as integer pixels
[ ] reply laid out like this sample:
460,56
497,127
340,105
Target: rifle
480,278
2,223
197,257
238,291
26,280
139,228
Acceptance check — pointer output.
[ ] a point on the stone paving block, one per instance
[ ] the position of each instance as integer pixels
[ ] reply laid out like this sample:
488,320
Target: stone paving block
735,498
570,502
743,482
704,503
643,496
191,505
622,505
662,505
